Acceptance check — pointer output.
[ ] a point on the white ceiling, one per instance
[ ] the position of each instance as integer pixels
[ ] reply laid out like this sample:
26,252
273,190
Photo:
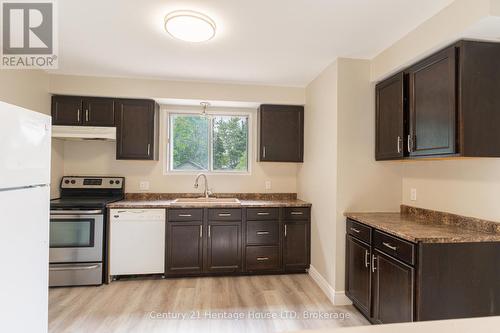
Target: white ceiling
275,42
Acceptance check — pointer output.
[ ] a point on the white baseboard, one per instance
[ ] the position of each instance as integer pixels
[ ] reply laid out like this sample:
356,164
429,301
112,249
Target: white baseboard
336,297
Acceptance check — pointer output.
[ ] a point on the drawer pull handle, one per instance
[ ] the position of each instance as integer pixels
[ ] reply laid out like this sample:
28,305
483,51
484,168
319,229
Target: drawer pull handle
262,213
355,230
262,233
297,213
224,214
367,258
394,248
262,258
185,215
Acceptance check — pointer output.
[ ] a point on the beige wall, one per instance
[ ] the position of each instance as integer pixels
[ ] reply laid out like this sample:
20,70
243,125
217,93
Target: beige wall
29,89
317,181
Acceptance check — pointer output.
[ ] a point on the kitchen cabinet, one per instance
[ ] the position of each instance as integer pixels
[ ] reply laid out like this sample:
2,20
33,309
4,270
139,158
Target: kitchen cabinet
449,104
185,248
98,111
390,118
281,133
137,129
208,241
358,276
66,110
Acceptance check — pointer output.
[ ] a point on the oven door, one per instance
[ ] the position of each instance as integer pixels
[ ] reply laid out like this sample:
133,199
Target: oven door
76,236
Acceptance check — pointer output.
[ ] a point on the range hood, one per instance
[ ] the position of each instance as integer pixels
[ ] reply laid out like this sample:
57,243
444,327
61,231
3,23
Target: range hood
84,133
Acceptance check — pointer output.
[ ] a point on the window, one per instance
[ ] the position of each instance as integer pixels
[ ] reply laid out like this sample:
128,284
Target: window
213,143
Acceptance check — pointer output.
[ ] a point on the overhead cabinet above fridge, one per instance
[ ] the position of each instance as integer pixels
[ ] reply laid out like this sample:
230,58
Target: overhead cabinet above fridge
443,106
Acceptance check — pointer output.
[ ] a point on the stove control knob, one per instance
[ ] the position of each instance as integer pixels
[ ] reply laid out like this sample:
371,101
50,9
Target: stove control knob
111,182
66,181
117,182
73,181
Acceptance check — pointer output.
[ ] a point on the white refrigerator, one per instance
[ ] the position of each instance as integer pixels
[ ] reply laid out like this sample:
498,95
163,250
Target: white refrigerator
24,218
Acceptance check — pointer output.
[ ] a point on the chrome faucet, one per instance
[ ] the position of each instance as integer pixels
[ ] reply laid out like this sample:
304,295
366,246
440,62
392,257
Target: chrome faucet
206,192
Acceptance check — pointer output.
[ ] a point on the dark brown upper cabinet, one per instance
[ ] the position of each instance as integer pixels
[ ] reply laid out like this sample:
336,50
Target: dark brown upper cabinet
82,111
433,109
98,111
451,105
281,133
390,118
136,129
66,110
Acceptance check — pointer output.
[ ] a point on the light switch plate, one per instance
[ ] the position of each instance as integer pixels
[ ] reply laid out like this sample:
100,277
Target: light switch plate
413,194
268,185
144,185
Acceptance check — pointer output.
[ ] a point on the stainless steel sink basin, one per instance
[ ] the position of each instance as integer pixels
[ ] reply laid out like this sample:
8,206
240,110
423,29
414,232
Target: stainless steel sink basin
201,201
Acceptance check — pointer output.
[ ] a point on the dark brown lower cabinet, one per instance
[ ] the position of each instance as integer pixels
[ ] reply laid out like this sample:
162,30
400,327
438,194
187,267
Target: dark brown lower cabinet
393,290
296,247
224,247
184,248
358,276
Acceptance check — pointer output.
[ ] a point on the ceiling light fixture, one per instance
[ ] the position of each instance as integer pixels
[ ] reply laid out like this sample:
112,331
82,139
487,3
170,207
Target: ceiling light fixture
190,26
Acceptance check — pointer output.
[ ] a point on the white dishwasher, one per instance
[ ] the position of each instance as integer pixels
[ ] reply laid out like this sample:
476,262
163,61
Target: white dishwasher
137,241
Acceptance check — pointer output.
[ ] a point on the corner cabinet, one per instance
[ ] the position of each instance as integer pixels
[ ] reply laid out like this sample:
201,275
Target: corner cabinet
281,133
136,129
443,106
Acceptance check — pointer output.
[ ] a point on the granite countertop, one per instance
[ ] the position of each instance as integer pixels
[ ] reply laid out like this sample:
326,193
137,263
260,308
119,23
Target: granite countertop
420,225
167,200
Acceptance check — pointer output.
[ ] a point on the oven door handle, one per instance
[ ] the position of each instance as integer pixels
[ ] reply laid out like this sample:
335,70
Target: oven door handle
76,212
73,268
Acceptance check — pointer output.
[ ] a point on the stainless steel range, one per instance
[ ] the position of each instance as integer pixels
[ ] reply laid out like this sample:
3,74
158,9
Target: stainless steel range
77,229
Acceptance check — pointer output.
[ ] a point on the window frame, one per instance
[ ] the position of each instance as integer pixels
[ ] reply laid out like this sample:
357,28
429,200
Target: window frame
166,131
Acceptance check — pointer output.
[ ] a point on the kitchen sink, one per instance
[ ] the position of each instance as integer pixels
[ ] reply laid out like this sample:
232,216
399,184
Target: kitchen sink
189,201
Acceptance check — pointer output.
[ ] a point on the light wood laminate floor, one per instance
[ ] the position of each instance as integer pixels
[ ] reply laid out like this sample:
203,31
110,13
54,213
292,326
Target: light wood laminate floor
150,305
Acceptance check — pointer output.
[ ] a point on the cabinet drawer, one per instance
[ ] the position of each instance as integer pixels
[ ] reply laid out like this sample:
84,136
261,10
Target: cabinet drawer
360,231
263,213
221,214
393,246
298,213
262,258
179,215
262,232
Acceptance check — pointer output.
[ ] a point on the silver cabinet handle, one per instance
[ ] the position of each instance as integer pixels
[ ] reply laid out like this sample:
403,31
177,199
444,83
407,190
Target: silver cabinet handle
209,227
373,263
400,141
264,152
367,258
262,213
224,214
87,116
392,247
78,115
185,215
201,231
262,258
149,148
262,233
297,213
355,230
409,144
73,268
285,230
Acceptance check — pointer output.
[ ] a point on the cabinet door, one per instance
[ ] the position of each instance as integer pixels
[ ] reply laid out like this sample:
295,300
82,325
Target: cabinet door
98,112
393,290
433,105
185,248
390,120
66,110
358,278
296,247
281,133
224,247
135,120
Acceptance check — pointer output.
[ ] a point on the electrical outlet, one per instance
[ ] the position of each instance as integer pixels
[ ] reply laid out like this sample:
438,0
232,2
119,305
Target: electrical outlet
268,185
144,185
413,194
